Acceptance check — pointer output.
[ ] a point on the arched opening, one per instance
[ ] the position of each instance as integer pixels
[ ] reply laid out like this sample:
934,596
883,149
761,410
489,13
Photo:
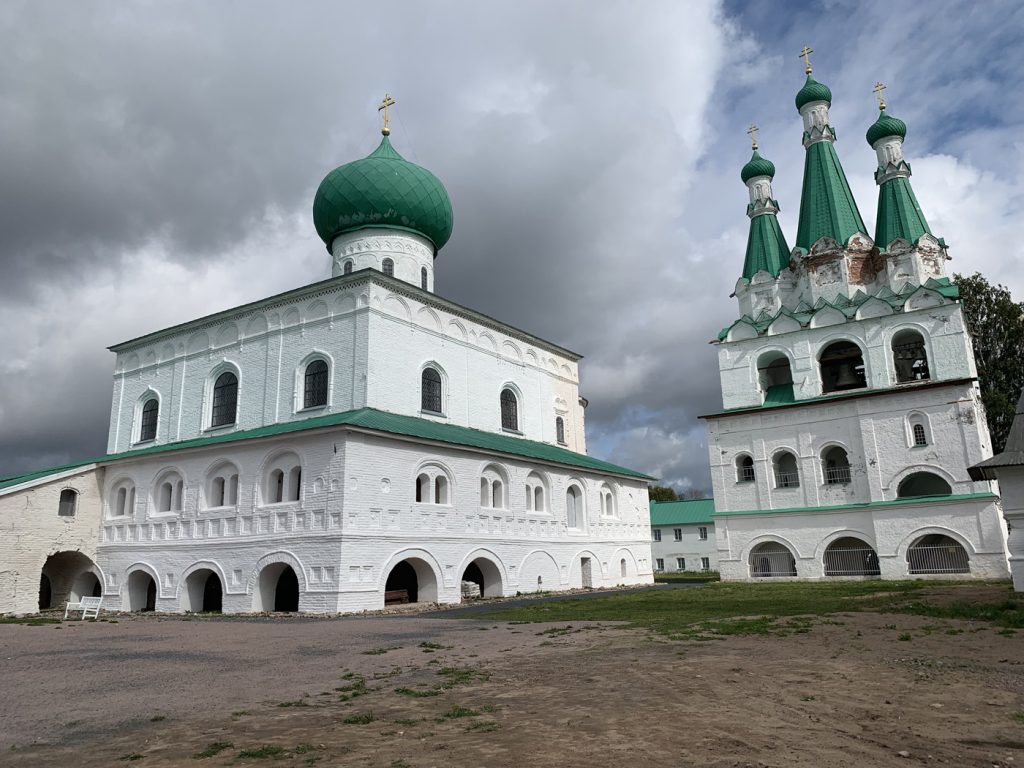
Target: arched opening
842,367
68,503
835,466
141,592
423,278
147,427
771,560
909,358
622,568
481,579
745,469
918,484
430,391
775,377
937,553
67,577
225,400
277,589
423,489
787,475
203,592
410,581
509,410
573,506
849,556
347,269
440,489
388,267
314,385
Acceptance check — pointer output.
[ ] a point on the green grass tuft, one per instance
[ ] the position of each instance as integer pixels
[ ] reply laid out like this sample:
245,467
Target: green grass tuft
263,752
213,750
364,719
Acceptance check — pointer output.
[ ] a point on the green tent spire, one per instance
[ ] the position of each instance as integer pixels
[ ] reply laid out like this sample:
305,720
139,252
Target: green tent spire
766,245
827,207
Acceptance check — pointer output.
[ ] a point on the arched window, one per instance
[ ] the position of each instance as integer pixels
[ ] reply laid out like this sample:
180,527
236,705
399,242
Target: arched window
771,559
786,473
433,486
920,436
295,484
225,400
388,267
315,387
744,469
842,367
775,377
147,427
573,506
347,269
922,484
492,488
124,499
485,492
918,430
937,553
909,358
497,494
283,479
423,489
607,502
68,503
835,465
276,486
423,278
535,493
509,410
222,486
430,391
440,489
169,492
560,430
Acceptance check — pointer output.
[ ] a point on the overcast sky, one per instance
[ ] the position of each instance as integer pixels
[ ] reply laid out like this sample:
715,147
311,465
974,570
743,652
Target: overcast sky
158,162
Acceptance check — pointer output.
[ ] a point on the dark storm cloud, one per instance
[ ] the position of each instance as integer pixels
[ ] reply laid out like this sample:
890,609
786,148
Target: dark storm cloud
159,162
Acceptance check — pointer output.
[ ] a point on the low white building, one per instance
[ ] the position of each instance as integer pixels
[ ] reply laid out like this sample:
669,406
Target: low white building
683,536
851,406
353,442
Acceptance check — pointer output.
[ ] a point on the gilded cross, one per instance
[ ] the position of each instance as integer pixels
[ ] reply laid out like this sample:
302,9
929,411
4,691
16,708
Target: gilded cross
388,102
879,87
752,133
805,54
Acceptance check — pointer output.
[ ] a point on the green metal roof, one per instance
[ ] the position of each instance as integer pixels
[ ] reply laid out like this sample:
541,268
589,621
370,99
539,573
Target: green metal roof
757,166
28,477
382,190
862,505
779,394
827,207
377,421
812,91
899,213
885,125
804,312
766,247
689,512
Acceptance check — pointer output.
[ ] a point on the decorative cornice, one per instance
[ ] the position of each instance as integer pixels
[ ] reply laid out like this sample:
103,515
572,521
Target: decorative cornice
890,171
816,134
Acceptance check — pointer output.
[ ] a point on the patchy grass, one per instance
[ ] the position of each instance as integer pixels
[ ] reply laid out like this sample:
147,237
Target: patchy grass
686,577
364,719
456,712
484,726
462,676
132,757
1018,717
729,608
431,647
418,693
296,703
29,621
157,718
381,651
213,750
259,753
353,690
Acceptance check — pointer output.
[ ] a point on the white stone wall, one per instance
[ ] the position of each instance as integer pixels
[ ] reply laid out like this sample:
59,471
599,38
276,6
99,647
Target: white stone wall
357,517
691,546
1011,487
412,256
889,530
946,342
375,339
31,531
874,431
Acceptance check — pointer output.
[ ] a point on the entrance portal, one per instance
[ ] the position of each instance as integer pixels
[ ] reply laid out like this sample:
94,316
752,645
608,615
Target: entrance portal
141,592
67,577
410,581
277,589
485,576
586,574
202,592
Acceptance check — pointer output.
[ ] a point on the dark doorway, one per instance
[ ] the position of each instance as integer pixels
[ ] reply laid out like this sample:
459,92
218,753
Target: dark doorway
150,596
401,586
476,576
286,595
213,595
45,593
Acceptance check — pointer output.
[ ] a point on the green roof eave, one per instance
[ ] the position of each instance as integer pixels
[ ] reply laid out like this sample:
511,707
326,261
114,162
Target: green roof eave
372,420
862,505
688,512
28,477
827,207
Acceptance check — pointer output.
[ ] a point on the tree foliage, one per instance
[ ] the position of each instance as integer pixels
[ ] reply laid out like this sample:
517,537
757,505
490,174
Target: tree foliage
662,493
995,323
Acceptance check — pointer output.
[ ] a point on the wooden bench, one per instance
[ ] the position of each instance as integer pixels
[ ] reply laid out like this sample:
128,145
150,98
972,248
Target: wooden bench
86,605
396,597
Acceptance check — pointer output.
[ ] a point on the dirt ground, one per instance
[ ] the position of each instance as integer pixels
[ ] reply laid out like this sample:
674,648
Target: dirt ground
842,690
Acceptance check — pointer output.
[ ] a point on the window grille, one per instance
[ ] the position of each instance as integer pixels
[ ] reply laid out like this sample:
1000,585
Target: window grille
838,475
347,268
388,267
423,278
657,534
225,400
677,533
68,502
509,410
560,429
920,436
150,411
315,389
430,391
746,470
703,533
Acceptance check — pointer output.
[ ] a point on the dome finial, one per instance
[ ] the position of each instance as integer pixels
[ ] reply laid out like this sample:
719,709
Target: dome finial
388,102
805,54
752,133
879,87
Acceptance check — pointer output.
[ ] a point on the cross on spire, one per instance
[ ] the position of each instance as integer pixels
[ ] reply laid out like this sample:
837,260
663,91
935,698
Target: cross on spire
879,87
805,54
752,133
388,102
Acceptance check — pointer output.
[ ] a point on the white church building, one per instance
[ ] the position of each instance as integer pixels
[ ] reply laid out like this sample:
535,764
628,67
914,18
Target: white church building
346,444
851,407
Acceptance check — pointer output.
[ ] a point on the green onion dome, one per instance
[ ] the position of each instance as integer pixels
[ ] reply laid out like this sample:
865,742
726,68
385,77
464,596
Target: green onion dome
886,125
382,190
813,91
757,166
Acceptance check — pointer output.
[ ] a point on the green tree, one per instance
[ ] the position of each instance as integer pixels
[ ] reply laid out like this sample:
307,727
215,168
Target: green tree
662,493
995,323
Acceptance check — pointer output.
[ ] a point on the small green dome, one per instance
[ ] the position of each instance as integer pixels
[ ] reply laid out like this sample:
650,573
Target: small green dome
382,190
886,125
812,91
757,166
